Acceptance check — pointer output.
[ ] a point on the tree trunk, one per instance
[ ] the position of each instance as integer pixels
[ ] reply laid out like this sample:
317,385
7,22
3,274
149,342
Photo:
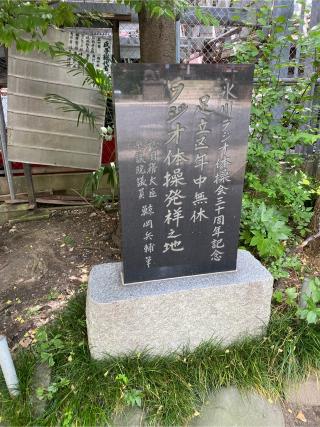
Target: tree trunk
315,227
116,41
157,39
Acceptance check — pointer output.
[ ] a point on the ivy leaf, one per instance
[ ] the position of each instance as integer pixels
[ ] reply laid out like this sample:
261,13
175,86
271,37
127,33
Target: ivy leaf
291,295
312,317
315,290
278,296
262,21
281,19
305,138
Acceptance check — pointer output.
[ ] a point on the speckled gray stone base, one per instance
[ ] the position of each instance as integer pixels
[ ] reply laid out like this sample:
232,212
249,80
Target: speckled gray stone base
165,315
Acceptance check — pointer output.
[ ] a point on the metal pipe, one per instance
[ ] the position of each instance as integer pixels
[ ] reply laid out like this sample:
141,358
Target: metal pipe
3,148
178,42
8,369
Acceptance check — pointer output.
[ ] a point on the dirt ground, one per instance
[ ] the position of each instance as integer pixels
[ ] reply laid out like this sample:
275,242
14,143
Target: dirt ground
300,415
42,264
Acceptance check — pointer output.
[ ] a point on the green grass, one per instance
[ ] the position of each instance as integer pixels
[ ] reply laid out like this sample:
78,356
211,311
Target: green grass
172,386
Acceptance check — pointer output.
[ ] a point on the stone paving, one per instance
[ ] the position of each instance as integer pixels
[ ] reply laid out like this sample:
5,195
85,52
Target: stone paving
133,417
231,408
308,393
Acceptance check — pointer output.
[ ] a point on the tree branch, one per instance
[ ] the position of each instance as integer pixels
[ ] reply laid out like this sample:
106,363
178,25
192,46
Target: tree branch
308,240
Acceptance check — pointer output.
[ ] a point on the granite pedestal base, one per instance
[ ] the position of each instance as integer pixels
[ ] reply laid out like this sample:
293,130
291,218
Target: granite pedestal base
165,315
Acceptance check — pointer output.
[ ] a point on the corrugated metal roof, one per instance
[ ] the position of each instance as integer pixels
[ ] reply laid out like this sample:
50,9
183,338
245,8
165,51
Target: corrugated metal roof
39,132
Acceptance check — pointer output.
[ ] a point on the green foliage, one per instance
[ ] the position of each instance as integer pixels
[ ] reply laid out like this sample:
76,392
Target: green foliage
170,388
278,296
280,267
311,311
48,346
279,198
288,296
26,22
309,307
85,115
95,77
122,379
264,228
170,9
291,296
131,396
49,392
205,17
167,8
92,184
281,186
92,76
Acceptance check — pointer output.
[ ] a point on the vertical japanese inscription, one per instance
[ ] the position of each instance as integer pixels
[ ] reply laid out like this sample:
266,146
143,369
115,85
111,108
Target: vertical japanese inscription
181,159
174,180
146,183
222,177
200,199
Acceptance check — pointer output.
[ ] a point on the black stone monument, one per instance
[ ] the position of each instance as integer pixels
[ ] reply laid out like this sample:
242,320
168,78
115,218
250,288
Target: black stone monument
182,134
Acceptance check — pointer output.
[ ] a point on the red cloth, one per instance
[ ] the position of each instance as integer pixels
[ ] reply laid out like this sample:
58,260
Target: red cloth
108,152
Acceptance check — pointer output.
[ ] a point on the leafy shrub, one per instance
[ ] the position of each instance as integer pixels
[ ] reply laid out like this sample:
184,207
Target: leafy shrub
309,307
311,311
279,197
263,228
279,268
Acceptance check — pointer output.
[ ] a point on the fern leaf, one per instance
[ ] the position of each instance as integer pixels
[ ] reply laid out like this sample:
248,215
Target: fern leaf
84,114
94,76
